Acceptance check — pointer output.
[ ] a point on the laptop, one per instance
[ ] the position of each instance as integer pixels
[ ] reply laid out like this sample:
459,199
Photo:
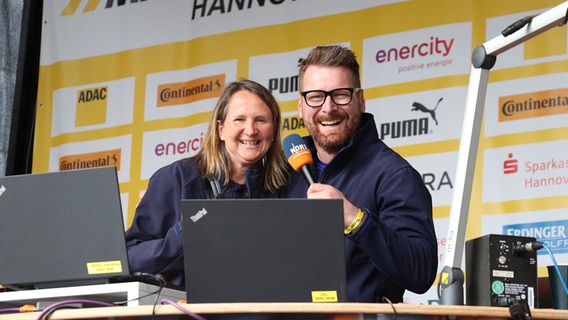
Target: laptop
61,228
264,250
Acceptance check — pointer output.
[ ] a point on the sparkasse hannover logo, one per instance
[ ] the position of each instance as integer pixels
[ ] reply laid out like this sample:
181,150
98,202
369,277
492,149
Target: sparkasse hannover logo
91,5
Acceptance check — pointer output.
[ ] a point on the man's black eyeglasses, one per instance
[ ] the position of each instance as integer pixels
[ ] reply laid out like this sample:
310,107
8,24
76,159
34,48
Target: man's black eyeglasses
339,96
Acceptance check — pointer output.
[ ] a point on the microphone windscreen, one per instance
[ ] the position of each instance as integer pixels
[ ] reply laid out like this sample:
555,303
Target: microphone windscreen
297,151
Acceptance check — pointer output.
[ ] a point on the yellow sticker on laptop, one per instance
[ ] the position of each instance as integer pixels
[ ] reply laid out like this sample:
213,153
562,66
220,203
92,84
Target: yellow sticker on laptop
104,267
324,296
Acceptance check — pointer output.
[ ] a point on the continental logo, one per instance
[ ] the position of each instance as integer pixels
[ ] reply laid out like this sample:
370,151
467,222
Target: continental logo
185,92
533,105
91,106
72,6
91,160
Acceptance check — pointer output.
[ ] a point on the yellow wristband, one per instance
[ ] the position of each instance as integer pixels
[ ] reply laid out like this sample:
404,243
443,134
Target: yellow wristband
355,222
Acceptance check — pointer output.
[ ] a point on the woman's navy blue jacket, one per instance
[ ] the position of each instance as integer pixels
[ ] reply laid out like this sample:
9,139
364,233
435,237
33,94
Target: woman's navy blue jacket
155,238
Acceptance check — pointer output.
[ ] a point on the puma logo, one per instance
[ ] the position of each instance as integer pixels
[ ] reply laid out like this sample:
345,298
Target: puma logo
417,106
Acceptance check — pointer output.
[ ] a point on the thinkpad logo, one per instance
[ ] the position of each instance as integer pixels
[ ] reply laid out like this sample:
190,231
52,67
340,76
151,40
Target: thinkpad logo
417,106
200,213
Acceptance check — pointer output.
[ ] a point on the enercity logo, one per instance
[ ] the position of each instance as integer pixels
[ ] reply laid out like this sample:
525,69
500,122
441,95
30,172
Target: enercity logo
410,127
91,160
91,5
190,91
534,104
189,147
433,47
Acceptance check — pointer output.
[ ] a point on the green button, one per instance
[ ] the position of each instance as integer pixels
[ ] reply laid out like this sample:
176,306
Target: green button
497,287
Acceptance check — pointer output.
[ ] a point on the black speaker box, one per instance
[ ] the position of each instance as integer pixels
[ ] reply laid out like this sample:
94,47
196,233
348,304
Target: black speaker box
501,271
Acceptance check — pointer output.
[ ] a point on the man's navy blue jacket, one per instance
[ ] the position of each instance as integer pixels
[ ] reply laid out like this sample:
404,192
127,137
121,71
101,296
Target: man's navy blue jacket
395,248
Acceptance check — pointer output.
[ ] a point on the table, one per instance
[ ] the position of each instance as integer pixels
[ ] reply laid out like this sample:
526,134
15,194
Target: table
335,311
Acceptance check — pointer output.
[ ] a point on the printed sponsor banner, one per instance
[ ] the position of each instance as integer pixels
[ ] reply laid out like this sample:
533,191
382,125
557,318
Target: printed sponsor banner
94,106
292,124
161,147
174,94
528,171
89,28
282,77
438,173
419,117
546,226
418,54
115,151
132,84
551,233
528,104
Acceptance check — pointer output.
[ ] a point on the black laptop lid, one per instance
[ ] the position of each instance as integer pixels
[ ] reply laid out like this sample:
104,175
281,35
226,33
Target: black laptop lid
60,228
264,250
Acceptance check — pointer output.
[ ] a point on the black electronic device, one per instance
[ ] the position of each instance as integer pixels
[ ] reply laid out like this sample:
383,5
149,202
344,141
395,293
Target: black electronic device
264,250
61,228
501,270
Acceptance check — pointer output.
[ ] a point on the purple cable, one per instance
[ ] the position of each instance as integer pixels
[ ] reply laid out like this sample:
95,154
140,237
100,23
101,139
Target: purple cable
9,310
56,305
184,310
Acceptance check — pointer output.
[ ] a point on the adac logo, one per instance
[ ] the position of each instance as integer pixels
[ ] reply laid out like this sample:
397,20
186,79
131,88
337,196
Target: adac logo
510,165
91,160
91,5
91,106
411,127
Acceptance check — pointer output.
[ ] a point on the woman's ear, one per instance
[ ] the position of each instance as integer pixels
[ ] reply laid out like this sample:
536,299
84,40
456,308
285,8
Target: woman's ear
220,130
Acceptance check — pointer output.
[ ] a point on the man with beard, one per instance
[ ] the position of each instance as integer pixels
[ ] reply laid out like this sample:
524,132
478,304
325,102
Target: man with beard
390,241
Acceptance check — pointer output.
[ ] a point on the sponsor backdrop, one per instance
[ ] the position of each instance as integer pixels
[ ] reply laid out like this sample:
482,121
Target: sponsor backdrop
132,84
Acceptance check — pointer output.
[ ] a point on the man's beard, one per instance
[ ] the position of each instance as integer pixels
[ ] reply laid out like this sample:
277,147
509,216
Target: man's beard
334,143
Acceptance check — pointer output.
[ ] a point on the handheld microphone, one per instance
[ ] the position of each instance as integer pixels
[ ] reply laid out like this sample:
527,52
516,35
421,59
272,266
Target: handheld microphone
299,156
